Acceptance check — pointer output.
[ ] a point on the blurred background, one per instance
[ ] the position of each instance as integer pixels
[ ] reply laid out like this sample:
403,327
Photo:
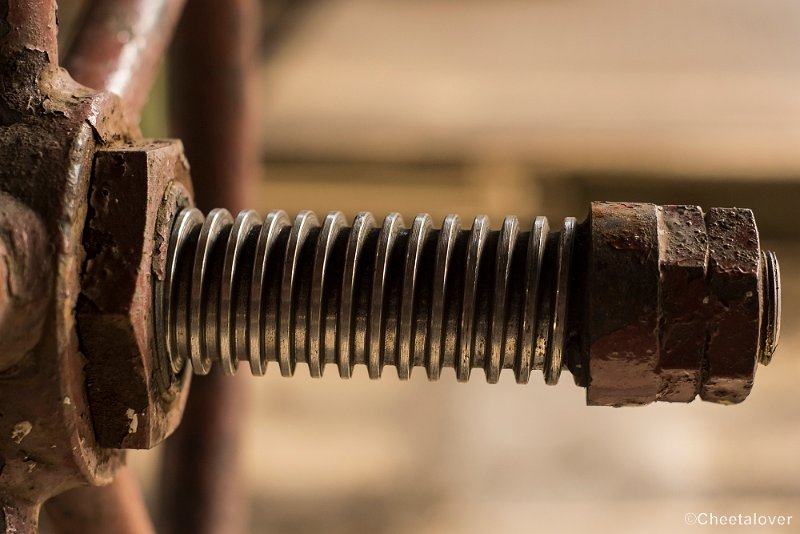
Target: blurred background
530,108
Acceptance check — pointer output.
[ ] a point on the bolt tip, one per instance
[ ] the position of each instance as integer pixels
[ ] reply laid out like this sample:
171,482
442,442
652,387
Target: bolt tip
771,314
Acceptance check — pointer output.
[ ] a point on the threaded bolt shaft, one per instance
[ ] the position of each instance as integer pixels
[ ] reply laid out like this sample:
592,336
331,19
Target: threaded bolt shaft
273,290
640,302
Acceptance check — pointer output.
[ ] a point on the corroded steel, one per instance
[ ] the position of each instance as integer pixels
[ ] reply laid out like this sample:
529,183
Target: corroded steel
680,303
682,263
735,305
49,130
136,191
623,292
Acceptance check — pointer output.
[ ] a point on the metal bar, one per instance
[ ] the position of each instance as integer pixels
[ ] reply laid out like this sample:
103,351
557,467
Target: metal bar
29,24
118,507
211,105
120,47
201,490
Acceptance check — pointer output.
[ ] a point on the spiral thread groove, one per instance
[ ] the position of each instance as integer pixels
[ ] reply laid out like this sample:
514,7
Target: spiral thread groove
328,293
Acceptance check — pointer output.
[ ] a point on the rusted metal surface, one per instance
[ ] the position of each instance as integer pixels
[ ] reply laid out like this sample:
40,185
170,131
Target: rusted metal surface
121,45
623,304
212,69
677,304
136,192
29,25
683,262
735,305
24,283
117,507
18,517
49,130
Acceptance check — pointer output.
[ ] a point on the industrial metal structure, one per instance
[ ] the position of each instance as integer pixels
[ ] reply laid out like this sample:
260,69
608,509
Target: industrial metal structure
116,287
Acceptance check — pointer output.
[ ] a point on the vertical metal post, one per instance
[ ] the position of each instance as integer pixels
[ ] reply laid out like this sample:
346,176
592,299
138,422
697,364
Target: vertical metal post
211,105
29,24
120,46
211,77
118,507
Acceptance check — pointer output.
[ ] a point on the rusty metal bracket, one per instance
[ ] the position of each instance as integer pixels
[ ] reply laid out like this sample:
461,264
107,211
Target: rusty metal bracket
49,130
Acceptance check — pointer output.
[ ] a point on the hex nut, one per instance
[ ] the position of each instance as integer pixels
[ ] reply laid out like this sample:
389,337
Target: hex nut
623,280
683,298
674,304
734,283
135,193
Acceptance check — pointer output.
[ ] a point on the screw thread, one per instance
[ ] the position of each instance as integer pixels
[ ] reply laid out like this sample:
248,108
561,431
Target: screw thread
272,290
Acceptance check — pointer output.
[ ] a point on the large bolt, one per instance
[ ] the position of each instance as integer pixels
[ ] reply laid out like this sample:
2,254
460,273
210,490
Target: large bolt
640,302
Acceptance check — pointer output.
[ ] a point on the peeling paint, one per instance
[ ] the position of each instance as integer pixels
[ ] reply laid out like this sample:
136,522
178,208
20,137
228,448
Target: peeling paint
20,431
133,419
